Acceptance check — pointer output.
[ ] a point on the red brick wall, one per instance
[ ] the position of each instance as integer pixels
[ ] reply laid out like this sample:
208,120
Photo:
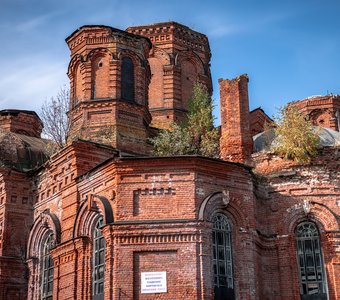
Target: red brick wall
259,121
158,211
156,205
156,87
98,113
16,218
281,196
23,122
171,242
188,79
100,67
78,94
321,110
236,142
183,57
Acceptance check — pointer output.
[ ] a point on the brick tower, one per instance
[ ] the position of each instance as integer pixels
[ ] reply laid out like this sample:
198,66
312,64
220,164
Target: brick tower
236,142
179,58
109,77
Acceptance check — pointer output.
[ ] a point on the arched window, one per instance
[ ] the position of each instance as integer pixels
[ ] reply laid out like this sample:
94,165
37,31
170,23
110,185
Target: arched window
310,262
222,258
128,79
47,269
98,261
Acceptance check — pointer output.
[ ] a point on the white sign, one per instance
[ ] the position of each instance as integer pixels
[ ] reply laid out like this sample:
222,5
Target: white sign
153,282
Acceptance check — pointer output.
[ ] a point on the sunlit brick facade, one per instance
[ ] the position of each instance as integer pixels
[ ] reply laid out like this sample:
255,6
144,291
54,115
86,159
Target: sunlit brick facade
100,217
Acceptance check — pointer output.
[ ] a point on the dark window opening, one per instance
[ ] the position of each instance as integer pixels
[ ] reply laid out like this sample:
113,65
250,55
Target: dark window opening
310,262
222,259
98,262
47,270
128,80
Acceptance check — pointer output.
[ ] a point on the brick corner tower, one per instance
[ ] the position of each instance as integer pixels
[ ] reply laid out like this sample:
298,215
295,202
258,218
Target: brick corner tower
236,142
180,57
109,78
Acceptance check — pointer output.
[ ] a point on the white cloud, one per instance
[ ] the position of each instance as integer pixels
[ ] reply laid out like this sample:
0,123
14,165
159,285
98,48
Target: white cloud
32,23
223,30
28,83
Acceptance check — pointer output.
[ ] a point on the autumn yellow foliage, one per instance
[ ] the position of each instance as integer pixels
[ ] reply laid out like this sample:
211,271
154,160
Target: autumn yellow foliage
295,137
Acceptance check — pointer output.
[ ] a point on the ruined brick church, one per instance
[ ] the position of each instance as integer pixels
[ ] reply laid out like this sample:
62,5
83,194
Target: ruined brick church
104,219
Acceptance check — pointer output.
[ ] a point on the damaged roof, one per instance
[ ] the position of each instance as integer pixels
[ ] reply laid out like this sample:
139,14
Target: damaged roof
22,152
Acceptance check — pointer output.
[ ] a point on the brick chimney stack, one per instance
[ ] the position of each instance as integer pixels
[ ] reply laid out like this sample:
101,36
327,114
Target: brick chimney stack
236,143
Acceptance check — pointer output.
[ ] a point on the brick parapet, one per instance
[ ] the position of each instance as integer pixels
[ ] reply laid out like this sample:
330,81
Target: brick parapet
173,33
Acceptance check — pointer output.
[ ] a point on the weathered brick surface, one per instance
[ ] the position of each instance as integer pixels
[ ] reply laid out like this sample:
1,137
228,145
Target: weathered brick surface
180,57
236,142
21,121
16,217
284,190
259,121
323,111
158,212
98,112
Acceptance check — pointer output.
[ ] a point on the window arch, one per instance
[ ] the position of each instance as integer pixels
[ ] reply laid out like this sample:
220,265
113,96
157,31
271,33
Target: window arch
98,262
310,262
47,268
222,258
128,79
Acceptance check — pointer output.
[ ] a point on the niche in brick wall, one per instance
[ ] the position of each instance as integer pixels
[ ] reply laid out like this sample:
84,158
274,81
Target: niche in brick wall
100,77
188,79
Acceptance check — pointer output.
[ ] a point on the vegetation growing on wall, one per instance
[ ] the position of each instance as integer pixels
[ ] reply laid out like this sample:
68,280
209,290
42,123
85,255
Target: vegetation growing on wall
295,137
196,135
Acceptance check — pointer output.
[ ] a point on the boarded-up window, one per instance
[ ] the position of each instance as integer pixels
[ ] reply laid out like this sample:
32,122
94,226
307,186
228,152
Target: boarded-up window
128,80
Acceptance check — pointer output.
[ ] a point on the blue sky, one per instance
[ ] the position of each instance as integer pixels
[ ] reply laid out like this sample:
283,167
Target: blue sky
289,49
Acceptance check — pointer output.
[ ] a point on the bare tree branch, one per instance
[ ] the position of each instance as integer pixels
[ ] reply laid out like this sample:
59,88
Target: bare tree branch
54,117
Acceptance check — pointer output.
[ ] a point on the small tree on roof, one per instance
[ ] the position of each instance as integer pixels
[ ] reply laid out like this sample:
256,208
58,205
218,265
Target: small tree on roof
196,135
296,138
